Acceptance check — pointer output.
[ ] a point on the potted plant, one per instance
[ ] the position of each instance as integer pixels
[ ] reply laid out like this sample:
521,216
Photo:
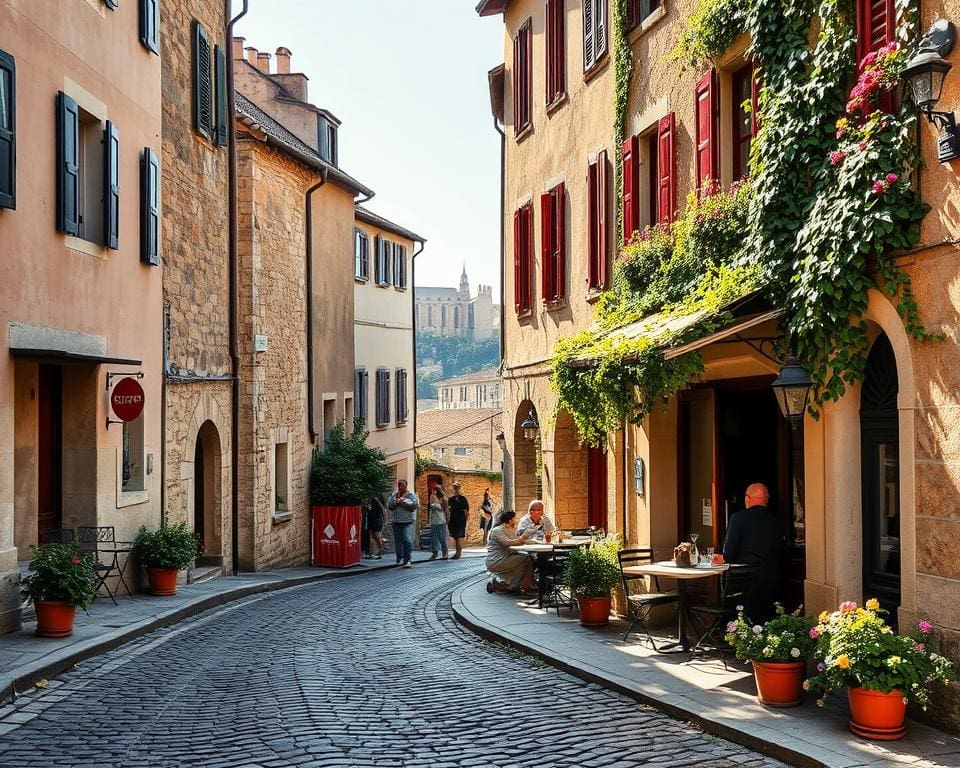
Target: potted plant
342,478
778,650
591,572
881,669
164,553
60,580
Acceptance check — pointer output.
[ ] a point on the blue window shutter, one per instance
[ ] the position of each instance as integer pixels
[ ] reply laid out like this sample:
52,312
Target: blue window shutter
112,4
149,25
68,165
202,96
223,124
111,186
8,131
149,207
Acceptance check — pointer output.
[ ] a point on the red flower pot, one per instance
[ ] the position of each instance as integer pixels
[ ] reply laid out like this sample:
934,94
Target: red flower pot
163,581
876,715
594,611
779,683
54,618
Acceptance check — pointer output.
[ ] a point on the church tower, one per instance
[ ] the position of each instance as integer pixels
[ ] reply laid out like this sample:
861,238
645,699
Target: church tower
464,284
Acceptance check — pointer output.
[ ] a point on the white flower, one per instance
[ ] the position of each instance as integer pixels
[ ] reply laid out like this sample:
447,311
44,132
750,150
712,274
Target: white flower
768,651
795,652
739,609
757,629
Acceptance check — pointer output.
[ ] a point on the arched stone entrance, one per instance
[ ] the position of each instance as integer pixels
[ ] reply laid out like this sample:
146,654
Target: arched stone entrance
207,497
527,460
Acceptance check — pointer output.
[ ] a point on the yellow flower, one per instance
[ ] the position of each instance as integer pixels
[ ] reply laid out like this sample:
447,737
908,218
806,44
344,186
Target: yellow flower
843,661
873,604
824,616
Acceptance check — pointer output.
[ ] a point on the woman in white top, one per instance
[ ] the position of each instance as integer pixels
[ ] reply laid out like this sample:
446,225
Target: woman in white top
439,515
513,568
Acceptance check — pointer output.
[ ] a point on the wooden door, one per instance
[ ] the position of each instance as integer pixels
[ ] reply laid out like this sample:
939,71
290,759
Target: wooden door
597,488
199,491
49,449
699,492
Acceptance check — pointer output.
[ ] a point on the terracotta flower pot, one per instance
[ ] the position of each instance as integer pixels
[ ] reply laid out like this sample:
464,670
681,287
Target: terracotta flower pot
163,581
594,611
876,715
779,683
54,618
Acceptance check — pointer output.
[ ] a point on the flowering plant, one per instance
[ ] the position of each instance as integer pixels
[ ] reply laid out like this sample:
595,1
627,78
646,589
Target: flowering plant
857,648
786,637
59,572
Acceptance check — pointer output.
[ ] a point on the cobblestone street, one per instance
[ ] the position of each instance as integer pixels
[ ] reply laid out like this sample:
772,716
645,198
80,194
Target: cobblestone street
364,671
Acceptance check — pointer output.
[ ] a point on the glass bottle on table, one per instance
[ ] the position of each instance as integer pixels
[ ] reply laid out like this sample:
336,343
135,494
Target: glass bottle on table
694,553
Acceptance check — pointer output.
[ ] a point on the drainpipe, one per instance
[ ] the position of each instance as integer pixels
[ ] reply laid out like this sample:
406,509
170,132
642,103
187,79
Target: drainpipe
308,269
503,212
234,286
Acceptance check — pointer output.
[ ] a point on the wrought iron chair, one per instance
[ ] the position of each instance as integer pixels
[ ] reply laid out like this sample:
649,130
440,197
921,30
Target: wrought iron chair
557,592
711,620
57,535
641,601
101,542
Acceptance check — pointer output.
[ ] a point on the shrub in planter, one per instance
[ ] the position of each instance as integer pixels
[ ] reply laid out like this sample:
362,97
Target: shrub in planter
778,651
59,580
591,572
882,670
348,471
164,552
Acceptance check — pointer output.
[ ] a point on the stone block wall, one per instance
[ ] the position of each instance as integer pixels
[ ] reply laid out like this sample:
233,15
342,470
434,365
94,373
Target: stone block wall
472,486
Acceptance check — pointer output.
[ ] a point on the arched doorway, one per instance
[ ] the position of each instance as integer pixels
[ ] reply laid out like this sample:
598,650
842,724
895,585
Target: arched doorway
207,494
527,461
580,485
880,477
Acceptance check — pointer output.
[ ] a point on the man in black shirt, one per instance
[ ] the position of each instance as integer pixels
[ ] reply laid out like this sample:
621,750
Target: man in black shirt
459,506
755,537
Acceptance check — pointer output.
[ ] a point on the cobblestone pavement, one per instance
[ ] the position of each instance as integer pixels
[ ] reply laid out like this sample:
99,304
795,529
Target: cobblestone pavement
364,671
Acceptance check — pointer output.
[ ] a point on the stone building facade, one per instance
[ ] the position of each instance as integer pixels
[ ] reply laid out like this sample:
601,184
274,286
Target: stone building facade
463,439
472,485
472,390
453,312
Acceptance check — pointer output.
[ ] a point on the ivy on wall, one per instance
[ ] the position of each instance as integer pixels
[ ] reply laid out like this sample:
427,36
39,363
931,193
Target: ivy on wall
622,73
830,201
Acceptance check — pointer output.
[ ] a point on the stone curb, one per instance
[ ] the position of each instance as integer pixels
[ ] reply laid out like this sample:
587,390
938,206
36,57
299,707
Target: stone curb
25,677
579,669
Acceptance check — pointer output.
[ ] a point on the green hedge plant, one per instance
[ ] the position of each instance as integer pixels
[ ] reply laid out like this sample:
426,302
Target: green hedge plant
348,471
173,546
593,571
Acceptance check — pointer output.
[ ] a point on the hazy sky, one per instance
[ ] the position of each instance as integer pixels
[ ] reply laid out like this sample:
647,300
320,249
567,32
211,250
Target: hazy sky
409,81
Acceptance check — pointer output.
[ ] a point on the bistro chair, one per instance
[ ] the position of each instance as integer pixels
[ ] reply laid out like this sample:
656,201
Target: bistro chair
557,593
101,542
710,621
643,593
57,536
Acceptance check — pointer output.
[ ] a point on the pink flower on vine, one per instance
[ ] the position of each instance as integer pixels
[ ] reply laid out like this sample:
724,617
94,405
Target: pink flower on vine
837,157
925,627
892,178
820,667
921,647
879,187
814,633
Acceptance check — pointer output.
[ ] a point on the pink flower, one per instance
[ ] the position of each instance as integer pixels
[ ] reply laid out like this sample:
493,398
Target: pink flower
820,667
814,633
892,178
921,647
848,606
862,145
925,627
837,157
878,189
869,60
76,561
731,626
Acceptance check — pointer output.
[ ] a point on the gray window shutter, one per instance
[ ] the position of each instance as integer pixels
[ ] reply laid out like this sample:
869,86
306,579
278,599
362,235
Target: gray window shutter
111,186
202,96
112,4
68,165
8,131
149,25
589,56
149,207
223,120
600,29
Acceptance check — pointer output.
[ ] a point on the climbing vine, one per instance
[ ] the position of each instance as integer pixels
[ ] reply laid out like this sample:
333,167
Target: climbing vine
622,72
830,203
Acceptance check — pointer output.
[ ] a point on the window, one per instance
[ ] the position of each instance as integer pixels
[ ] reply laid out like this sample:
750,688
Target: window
384,254
222,113
876,25
597,241
744,119
523,259
594,32
133,464
630,159
149,207
327,138
443,317
707,108
361,388
361,255
8,131
522,78
149,25
281,478
552,245
399,266
402,409
456,318
666,165
383,397
653,168
202,86
459,451
329,416
555,58
638,10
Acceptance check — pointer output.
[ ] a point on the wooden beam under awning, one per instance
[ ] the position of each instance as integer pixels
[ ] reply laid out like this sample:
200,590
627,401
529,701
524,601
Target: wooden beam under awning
742,324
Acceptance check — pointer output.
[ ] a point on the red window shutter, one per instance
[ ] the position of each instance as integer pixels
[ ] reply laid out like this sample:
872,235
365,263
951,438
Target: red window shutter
602,228
516,84
755,100
667,168
554,59
706,103
593,227
517,247
630,153
560,238
547,271
876,25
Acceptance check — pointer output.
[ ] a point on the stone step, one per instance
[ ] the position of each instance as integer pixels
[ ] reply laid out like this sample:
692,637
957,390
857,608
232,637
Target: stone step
204,573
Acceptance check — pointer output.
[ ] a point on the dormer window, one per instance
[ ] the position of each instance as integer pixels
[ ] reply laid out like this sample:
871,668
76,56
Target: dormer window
327,139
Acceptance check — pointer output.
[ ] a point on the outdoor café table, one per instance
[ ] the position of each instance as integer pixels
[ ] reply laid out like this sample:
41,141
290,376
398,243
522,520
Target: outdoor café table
541,553
667,569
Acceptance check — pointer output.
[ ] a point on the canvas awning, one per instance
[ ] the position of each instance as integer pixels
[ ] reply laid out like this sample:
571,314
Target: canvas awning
60,356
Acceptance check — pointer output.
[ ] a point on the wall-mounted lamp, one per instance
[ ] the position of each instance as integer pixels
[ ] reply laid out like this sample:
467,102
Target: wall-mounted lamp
501,440
792,388
924,74
530,425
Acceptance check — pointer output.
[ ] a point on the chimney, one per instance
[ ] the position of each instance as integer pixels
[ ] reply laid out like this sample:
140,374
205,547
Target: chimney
238,48
263,62
251,55
283,61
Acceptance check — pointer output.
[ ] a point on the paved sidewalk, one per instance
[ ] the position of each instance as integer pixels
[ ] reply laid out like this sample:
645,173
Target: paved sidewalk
719,701
25,658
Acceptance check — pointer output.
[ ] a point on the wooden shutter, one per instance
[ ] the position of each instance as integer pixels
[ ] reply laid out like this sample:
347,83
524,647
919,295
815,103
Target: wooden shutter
666,169
379,266
876,25
630,158
589,52
600,29
202,96
593,227
522,258
555,59
522,77
633,14
517,233
8,131
560,240
149,207
547,230
707,129
150,25
111,186
68,165
222,116
403,266
602,219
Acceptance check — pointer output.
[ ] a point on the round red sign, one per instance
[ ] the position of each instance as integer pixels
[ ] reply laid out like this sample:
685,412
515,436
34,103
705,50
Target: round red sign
127,399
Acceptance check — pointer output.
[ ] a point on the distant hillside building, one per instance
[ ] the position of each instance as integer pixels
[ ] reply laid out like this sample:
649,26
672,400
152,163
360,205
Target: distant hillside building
472,390
452,311
463,439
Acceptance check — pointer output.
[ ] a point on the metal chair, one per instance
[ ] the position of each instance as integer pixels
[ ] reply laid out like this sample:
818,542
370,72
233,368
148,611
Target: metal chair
712,619
557,591
641,602
57,536
101,542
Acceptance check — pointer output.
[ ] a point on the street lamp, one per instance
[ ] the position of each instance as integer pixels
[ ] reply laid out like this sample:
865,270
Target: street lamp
501,441
530,426
924,74
792,388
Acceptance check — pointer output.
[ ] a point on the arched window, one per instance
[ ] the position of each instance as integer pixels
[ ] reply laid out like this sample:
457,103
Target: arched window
443,317
429,315
456,317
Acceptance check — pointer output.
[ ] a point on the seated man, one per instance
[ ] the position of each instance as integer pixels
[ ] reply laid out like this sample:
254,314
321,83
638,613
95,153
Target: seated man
755,537
536,520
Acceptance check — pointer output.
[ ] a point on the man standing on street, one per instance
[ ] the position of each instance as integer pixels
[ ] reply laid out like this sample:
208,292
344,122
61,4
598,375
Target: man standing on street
459,506
403,506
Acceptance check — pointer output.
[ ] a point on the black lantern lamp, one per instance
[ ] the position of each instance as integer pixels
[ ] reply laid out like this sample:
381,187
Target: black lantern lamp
792,388
924,74
530,426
